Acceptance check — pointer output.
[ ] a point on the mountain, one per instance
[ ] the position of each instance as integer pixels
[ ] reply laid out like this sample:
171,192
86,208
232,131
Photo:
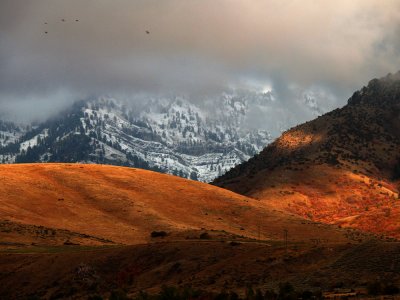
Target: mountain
169,135
10,135
343,167
198,140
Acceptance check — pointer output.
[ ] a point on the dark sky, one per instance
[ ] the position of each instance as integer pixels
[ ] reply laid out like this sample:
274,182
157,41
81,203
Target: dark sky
198,48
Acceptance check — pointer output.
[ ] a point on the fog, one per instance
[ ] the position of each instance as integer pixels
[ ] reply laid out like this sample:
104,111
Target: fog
194,48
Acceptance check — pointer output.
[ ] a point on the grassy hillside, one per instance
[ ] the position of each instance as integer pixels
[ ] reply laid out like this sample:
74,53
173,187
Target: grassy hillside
124,205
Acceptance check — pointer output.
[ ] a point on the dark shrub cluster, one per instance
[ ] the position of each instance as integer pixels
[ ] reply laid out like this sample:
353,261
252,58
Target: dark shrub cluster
155,234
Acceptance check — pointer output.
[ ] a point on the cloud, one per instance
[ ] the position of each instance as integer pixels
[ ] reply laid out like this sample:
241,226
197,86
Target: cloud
194,47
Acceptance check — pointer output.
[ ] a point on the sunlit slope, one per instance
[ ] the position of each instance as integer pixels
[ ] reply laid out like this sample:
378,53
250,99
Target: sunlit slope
343,167
333,195
125,205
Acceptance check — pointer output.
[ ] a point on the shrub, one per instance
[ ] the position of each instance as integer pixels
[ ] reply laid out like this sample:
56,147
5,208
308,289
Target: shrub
374,288
155,234
168,292
270,294
233,296
307,295
205,236
118,295
390,289
396,171
286,291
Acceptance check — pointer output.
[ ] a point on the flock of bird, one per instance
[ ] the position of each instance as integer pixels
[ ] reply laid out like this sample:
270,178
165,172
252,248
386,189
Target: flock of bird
77,20
62,20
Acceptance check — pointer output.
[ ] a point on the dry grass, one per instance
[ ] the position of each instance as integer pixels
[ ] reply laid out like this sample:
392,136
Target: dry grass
332,195
208,265
125,205
211,243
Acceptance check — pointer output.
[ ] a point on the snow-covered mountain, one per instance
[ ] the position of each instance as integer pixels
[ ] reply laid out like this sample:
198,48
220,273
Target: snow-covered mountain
168,135
10,135
171,135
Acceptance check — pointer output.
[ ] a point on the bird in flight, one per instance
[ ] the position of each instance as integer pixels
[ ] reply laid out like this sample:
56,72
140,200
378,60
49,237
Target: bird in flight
45,32
76,20
148,32
45,23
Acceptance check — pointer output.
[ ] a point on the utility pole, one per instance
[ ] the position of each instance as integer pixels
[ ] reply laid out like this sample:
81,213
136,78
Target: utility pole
285,237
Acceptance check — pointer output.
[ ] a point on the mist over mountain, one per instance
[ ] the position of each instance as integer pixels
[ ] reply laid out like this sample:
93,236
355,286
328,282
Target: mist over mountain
102,48
169,135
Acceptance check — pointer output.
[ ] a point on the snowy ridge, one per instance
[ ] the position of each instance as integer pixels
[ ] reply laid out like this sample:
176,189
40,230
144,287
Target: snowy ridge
174,136
171,135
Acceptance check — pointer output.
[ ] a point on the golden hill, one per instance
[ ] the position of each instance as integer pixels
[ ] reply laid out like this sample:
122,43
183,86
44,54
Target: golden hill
61,226
342,168
97,204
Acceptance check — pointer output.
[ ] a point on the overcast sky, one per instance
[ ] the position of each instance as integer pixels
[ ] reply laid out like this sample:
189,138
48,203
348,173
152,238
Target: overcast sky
197,48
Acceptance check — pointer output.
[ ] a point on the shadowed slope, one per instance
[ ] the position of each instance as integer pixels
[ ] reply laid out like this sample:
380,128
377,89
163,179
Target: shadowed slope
207,265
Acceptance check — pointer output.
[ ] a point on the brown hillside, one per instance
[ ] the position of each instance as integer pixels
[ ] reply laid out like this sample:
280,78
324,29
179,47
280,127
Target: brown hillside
61,226
207,265
343,167
92,204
